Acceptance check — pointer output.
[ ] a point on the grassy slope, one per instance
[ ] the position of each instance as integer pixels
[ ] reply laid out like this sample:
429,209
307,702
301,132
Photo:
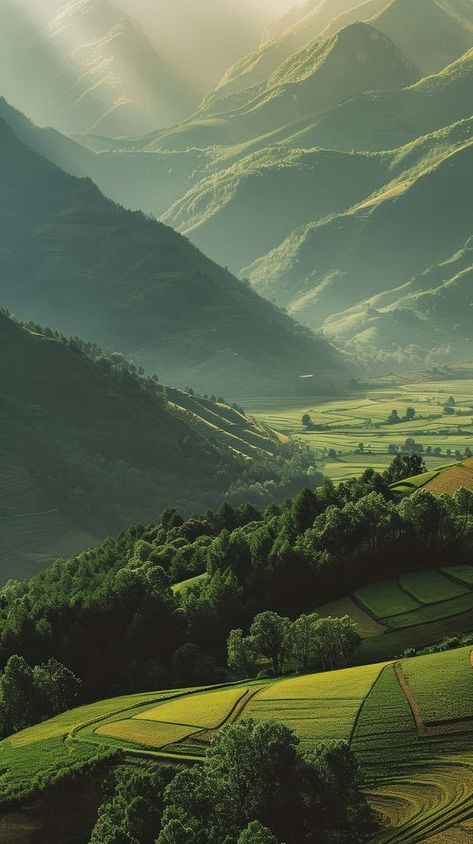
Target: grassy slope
83,455
419,780
150,293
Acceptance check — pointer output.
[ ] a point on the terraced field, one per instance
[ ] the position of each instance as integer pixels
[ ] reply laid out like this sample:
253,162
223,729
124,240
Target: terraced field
342,425
409,722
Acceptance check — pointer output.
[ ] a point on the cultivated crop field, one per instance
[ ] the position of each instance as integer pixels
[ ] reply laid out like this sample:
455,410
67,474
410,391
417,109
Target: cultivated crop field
409,723
362,420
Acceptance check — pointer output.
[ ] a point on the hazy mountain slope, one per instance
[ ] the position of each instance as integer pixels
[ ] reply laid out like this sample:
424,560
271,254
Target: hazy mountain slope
429,34
71,259
87,66
305,24
265,196
428,319
385,120
314,79
327,268
86,448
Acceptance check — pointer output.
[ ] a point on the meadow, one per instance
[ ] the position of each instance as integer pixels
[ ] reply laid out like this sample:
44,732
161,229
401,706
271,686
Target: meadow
346,424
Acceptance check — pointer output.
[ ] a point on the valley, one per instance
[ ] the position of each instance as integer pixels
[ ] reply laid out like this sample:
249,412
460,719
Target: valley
236,422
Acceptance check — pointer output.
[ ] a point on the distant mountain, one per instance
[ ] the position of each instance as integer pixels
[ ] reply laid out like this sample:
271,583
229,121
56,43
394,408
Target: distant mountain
86,66
71,259
341,272
295,30
385,120
266,195
87,446
314,79
429,33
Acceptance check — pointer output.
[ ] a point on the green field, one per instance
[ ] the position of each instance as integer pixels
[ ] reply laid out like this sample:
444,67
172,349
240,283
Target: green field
347,423
418,771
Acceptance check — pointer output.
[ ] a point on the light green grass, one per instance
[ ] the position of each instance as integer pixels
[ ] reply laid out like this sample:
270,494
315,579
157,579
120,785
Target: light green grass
148,733
428,587
361,419
442,685
207,711
351,683
184,585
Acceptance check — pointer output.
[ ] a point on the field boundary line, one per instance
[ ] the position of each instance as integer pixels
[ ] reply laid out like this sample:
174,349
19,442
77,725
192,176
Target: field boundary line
456,579
362,706
409,695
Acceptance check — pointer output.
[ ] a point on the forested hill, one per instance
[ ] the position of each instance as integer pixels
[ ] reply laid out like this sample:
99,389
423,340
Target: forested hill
115,603
75,261
88,445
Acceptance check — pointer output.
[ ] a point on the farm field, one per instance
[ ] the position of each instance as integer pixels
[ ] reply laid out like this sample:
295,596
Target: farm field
410,600
362,420
420,780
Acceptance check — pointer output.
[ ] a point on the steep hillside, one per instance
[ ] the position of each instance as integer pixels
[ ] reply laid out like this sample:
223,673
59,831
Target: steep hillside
428,319
328,267
266,195
74,261
428,32
313,79
87,446
294,31
86,66
384,120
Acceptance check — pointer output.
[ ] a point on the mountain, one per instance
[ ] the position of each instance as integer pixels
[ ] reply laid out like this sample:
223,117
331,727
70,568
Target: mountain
298,28
427,319
266,195
87,66
73,260
430,33
88,446
385,120
314,79
328,268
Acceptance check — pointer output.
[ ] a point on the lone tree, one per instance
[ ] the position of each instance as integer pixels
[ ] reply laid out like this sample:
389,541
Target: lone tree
306,420
406,465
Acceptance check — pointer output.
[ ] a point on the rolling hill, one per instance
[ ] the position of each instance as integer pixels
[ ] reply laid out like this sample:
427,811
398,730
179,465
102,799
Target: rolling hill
87,446
408,723
87,66
74,261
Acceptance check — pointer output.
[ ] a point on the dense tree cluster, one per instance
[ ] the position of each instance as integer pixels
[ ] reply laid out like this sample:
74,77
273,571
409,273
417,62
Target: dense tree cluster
257,787
111,616
308,642
29,695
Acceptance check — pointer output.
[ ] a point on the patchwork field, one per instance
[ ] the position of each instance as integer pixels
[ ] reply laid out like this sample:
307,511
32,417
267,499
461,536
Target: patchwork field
350,435
409,722
412,611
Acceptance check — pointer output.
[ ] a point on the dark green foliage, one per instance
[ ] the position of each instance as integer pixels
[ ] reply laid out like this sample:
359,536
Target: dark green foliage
256,781
131,812
30,695
94,444
405,466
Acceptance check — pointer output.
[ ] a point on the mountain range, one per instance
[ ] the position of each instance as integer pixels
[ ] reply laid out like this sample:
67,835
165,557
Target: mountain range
73,260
